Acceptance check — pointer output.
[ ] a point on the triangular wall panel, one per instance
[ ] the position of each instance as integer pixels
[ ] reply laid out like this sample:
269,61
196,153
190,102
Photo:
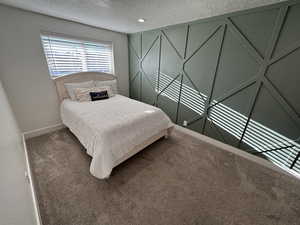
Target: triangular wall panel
257,27
236,66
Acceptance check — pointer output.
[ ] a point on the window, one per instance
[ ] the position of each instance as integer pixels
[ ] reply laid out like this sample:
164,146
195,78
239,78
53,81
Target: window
65,55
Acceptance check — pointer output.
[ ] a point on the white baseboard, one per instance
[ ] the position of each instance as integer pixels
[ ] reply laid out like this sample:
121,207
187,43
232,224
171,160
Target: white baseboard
28,173
30,134
41,131
239,152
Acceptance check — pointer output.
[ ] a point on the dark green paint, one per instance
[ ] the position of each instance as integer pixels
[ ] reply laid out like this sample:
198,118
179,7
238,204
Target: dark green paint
247,61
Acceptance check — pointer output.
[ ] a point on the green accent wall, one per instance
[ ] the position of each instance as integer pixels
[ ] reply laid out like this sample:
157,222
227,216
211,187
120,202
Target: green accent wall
235,78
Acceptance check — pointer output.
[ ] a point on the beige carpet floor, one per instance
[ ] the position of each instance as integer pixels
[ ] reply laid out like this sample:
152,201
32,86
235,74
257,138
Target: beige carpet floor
179,181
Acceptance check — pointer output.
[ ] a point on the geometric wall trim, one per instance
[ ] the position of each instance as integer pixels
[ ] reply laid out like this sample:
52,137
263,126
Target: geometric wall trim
233,77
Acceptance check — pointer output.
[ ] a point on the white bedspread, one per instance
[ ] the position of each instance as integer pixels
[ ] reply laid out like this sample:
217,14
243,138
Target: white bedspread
110,128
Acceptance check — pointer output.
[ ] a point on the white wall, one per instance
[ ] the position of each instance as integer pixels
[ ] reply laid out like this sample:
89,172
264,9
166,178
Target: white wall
16,206
23,67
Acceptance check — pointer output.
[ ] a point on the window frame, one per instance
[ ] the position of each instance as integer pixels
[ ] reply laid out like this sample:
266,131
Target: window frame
78,39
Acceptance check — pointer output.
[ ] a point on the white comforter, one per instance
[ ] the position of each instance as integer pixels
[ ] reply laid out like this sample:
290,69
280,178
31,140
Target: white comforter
110,128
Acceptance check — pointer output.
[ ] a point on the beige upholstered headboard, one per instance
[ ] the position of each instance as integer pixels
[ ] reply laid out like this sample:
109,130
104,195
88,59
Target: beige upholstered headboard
76,78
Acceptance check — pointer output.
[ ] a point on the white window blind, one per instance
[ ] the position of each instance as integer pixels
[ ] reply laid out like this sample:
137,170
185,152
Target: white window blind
66,56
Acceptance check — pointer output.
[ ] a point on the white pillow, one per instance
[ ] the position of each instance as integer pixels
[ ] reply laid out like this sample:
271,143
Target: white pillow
71,86
112,83
83,94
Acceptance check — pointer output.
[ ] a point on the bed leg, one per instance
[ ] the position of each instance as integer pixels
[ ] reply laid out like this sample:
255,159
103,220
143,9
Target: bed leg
168,132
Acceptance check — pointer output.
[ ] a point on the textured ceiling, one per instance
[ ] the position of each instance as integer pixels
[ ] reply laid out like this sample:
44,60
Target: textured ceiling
122,15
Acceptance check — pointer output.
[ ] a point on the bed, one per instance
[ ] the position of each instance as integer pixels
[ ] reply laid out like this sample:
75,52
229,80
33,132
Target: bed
111,130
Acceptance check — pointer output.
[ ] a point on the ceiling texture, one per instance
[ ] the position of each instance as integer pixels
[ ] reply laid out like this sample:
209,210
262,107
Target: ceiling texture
122,15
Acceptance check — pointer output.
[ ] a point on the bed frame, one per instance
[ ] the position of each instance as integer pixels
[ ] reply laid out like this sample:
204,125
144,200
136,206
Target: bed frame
87,76
77,78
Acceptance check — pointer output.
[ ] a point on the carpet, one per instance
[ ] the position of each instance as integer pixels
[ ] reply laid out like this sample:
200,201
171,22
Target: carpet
178,181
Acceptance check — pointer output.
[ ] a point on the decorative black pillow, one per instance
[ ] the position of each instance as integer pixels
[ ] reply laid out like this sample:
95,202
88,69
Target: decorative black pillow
95,96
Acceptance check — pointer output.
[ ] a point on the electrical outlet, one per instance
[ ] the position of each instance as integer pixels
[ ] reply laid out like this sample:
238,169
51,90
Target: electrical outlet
185,123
